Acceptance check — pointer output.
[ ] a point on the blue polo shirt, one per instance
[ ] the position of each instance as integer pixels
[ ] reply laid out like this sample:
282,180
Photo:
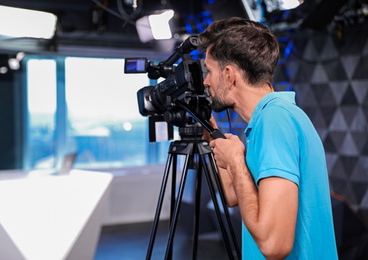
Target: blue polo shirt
282,142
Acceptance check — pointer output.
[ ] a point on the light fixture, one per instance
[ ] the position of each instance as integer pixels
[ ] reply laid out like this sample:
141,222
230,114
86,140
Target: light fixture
155,26
289,4
254,9
14,64
7,63
3,70
273,5
3,64
17,22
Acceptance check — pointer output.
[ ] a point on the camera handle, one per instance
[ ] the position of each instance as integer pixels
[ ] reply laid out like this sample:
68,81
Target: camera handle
214,133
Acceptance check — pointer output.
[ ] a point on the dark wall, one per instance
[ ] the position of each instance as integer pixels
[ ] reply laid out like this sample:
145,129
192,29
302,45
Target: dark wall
7,130
9,157
330,77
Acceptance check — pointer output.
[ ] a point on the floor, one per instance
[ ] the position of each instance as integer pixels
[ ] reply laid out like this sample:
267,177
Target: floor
130,242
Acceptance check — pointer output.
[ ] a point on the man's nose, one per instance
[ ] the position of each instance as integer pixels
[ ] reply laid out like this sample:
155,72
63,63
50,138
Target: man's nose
205,82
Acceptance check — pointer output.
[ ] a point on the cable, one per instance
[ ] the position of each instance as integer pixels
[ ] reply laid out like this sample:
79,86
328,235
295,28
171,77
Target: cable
113,12
229,119
137,7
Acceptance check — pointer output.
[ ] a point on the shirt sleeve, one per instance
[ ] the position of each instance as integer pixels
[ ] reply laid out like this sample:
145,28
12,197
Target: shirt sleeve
277,145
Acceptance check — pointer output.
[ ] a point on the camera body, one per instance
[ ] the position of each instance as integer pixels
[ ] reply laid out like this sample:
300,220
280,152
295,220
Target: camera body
183,82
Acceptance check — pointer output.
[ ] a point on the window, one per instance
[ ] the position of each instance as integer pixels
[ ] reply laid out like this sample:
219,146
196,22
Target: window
88,106
41,99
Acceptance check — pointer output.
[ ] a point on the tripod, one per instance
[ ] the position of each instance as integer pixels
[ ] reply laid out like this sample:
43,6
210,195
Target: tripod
192,148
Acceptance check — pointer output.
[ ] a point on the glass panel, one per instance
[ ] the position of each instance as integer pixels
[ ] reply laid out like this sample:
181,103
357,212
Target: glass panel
41,80
104,125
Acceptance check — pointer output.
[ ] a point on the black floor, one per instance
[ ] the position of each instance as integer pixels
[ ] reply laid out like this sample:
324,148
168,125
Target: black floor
130,242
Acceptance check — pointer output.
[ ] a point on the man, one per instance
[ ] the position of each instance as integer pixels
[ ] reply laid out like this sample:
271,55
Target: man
281,186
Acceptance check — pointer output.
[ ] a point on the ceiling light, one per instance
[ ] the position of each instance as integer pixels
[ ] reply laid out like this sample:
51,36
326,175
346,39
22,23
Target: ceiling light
3,70
155,27
160,25
273,5
289,4
14,64
17,22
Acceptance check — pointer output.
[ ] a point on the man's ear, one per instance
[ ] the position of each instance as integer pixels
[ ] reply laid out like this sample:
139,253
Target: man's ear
229,74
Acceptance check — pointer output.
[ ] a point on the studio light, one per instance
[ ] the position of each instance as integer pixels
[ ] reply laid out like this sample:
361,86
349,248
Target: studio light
3,64
155,26
20,23
289,4
273,5
14,64
3,70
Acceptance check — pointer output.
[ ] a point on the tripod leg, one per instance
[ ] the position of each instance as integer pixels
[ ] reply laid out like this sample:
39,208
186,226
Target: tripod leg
217,208
198,187
173,184
158,209
173,196
177,207
226,210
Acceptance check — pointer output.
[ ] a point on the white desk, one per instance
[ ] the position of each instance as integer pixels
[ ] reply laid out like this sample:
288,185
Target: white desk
52,217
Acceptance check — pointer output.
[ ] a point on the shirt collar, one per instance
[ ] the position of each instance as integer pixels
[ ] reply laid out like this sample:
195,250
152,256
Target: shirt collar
288,96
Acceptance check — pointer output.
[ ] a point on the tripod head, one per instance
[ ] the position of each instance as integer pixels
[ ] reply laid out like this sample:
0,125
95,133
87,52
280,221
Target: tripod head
191,132
214,133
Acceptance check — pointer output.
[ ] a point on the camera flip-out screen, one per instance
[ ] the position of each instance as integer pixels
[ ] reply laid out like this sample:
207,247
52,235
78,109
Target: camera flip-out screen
135,65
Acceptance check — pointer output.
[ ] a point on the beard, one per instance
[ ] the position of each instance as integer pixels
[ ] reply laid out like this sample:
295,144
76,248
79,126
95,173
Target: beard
217,102
218,105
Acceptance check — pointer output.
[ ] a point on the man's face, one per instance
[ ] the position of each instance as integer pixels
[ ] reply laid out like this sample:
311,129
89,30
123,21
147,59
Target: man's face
215,84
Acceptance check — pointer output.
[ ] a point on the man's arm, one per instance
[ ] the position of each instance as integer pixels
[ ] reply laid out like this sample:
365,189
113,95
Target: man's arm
269,212
226,181
228,188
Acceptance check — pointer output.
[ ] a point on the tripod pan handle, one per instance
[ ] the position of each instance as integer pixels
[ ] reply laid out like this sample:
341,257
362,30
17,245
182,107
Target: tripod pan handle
217,134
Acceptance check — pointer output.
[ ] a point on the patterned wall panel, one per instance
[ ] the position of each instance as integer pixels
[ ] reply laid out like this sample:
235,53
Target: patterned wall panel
330,78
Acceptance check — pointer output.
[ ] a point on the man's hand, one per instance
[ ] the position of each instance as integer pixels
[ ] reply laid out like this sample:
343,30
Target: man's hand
206,134
228,151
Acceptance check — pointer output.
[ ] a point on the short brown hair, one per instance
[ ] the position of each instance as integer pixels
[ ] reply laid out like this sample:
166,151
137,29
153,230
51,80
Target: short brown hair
249,45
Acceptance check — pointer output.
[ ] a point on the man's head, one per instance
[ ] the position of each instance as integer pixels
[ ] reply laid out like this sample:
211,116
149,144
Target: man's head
246,44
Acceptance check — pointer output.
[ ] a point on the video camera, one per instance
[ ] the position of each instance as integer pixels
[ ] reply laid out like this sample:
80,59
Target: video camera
181,92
